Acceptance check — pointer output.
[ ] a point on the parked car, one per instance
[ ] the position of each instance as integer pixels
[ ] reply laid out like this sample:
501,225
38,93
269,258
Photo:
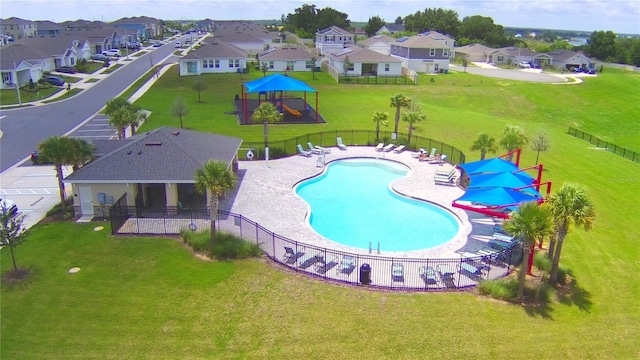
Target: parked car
66,69
133,45
178,44
12,208
111,53
53,80
157,44
524,65
100,57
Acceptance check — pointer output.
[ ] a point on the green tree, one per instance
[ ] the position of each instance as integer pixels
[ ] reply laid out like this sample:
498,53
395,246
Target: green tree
347,66
327,17
380,117
602,45
313,66
571,206
199,85
179,110
11,231
481,29
266,113
484,143
122,114
538,144
81,152
513,137
413,116
399,101
398,20
59,151
216,178
528,224
264,67
373,25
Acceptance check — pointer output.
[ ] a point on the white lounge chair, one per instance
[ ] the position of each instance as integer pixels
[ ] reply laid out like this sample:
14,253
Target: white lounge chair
340,144
313,149
379,146
388,148
399,149
418,153
304,152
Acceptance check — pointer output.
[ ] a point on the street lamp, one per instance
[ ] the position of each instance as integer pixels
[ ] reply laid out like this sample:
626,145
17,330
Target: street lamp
17,83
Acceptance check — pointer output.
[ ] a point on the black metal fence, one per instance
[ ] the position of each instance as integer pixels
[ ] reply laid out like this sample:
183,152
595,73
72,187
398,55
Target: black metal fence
618,150
329,264
377,80
284,148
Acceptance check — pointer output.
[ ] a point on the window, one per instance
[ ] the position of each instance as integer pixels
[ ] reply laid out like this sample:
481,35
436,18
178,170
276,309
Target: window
437,67
350,67
6,77
234,63
207,64
309,64
386,67
500,58
216,64
330,38
432,52
271,65
445,52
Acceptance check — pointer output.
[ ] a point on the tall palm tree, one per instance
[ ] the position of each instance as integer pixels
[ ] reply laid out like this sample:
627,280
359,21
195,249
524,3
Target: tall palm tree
216,178
122,114
485,143
399,101
412,117
58,150
529,223
82,152
513,137
380,117
570,206
120,120
269,114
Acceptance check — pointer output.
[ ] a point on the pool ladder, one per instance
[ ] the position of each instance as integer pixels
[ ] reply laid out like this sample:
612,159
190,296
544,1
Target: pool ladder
371,249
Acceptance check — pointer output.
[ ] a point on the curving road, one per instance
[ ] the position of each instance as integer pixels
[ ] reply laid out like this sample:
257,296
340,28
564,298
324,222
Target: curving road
23,129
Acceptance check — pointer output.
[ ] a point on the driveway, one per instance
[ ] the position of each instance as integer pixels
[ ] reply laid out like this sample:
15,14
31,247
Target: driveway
520,75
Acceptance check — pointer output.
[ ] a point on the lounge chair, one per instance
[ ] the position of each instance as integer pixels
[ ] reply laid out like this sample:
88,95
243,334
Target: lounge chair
418,153
445,178
182,208
325,265
318,149
304,152
388,148
397,272
340,144
312,149
429,275
399,149
429,157
290,256
347,265
379,146
307,260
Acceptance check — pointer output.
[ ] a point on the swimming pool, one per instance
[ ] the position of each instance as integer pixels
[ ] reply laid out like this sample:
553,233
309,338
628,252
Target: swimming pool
351,203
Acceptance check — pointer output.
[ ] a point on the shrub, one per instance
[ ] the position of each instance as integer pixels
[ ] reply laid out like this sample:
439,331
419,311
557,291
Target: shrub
542,262
199,241
503,289
543,292
57,208
227,246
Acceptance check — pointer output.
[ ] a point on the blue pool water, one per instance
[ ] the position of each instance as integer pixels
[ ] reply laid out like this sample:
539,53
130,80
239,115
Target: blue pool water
351,204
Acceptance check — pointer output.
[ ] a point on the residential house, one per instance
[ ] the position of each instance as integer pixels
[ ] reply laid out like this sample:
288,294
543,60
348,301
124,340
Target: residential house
49,28
140,27
247,42
473,52
364,62
333,38
514,55
429,52
154,169
246,35
214,56
287,58
392,28
18,28
567,59
378,43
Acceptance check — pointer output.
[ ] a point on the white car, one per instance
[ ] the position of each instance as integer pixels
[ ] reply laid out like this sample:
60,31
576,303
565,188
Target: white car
11,207
111,53
178,44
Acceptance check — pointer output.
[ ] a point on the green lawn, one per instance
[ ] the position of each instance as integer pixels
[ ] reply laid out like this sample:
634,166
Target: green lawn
150,298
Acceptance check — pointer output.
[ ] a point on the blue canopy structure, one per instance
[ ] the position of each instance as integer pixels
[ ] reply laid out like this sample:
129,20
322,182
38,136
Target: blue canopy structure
503,179
498,196
277,82
494,165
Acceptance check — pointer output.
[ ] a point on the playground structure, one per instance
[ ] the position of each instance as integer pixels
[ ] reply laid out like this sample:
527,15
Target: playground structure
275,89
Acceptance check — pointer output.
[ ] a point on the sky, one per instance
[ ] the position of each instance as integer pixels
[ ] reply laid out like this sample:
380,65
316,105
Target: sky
620,16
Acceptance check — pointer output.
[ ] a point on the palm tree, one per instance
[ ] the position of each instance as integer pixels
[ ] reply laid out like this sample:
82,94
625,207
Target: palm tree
412,117
399,101
513,137
570,205
120,120
269,114
529,223
58,150
380,117
485,143
216,178
122,114
81,154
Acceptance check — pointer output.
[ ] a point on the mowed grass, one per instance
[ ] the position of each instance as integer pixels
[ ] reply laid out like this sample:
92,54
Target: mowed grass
150,298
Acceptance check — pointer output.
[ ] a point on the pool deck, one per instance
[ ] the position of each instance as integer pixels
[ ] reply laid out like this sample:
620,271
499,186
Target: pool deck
265,195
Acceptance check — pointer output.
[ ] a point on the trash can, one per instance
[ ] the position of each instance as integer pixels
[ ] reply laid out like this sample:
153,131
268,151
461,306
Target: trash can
365,274
34,157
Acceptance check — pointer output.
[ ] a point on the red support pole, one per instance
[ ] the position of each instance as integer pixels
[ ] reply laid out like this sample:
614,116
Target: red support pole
532,251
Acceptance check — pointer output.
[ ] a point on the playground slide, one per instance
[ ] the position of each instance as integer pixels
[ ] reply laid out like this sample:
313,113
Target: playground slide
291,111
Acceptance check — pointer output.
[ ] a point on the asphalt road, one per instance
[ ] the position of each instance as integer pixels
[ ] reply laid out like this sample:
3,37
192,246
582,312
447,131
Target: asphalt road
520,75
23,129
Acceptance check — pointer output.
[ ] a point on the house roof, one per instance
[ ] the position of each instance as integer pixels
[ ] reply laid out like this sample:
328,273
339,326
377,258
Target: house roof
48,25
216,49
136,20
162,155
15,21
376,39
230,29
476,49
425,41
359,54
563,54
392,27
514,51
238,37
335,29
22,53
290,53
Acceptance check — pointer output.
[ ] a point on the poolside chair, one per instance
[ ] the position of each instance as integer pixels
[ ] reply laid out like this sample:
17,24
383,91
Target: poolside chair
181,208
469,269
340,144
318,149
417,154
307,260
399,149
325,265
313,149
379,146
347,265
303,152
429,275
388,148
290,256
397,272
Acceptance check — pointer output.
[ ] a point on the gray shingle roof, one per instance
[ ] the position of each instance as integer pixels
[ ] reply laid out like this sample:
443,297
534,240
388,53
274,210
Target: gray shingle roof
425,41
359,54
161,155
287,53
474,49
216,49
376,39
